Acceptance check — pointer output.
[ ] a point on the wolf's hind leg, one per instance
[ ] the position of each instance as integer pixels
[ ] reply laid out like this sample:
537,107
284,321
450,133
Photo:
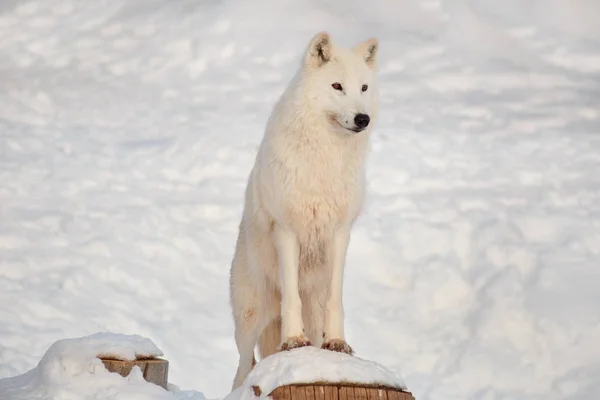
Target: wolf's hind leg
247,315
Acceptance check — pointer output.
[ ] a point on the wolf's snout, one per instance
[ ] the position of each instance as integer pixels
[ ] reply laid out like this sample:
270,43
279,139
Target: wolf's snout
362,120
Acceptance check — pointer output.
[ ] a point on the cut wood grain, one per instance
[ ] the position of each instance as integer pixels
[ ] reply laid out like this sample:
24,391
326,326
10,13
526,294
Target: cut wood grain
154,370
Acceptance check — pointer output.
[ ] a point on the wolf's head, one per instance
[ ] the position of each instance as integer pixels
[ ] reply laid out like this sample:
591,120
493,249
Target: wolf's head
341,83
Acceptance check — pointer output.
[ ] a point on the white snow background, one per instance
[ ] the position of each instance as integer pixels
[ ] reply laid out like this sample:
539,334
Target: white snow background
128,128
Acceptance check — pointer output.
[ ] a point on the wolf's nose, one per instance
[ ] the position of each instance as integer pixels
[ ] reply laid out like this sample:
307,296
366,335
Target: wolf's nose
362,120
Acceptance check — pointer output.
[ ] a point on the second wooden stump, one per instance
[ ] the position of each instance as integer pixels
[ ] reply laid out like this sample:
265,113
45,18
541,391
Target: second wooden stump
155,370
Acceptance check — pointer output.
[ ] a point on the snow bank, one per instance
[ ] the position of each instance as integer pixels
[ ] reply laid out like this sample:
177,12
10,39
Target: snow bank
71,369
310,364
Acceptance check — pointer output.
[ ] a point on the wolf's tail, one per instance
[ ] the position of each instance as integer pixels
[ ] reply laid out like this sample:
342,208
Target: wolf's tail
270,339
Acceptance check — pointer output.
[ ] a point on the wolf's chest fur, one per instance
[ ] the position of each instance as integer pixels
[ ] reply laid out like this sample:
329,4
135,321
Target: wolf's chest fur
318,199
323,192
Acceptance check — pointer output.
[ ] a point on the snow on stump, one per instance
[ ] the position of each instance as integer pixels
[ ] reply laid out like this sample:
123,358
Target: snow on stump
154,370
342,391
73,368
310,373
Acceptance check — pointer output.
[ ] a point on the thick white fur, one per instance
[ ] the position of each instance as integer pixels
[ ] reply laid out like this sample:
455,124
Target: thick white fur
303,194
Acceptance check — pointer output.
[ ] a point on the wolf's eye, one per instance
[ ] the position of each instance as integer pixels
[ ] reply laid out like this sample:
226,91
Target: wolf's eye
364,88
336,86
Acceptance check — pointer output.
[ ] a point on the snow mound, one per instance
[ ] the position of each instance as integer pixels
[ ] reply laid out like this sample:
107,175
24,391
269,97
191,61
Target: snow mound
71,369
310,364
103,345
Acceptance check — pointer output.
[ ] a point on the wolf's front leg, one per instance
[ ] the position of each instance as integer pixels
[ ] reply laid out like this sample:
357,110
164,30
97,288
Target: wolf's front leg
333,337
288,252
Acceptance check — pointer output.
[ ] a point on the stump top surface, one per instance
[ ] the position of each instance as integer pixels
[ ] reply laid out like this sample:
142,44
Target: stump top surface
310,365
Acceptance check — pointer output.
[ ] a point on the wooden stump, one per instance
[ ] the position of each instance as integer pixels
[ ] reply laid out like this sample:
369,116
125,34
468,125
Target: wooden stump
155,370
336,391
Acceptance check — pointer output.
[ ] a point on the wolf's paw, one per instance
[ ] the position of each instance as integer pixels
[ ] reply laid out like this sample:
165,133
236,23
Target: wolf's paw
338,345
294,342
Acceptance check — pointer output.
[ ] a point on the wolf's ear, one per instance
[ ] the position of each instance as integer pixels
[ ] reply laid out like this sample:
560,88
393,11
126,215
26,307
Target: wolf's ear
319,50
368,51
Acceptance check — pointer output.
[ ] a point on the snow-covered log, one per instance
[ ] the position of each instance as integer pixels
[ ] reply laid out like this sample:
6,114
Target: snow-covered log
309,373
80,368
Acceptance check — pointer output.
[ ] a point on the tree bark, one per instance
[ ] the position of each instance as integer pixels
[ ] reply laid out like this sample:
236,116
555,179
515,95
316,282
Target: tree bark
337,391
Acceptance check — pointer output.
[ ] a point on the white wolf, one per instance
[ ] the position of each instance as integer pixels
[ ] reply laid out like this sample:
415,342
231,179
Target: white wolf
303,194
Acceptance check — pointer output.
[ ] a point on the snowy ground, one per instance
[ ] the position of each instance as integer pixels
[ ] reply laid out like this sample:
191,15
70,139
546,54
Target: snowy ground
128,129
